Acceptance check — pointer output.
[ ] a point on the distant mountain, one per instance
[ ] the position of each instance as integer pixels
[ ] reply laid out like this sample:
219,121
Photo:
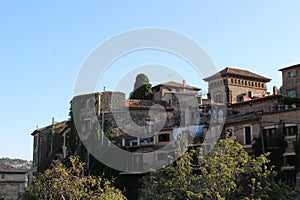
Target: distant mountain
16,163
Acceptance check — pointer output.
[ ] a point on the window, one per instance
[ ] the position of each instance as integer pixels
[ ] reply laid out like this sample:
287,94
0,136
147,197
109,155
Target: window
218,98
164,137
271,137
292,93
2,176
293,73
134,143
291,130
289,160
290,74
247,135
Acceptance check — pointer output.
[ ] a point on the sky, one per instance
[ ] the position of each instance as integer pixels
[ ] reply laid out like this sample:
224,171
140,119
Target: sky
44,45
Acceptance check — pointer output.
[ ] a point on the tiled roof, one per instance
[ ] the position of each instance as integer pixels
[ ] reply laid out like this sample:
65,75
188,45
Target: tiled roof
178,85
138,103
255,100
58,125
290,67
242,118
229,71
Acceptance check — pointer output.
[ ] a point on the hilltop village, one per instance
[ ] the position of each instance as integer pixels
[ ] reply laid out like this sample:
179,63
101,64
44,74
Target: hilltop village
238,105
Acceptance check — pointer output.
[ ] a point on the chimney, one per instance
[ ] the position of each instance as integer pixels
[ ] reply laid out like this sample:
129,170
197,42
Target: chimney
184,83
275,90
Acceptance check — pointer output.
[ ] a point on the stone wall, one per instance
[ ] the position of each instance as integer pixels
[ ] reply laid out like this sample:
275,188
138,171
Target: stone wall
11,185
291,116
291,83
233,88
238,129
112,101
266,104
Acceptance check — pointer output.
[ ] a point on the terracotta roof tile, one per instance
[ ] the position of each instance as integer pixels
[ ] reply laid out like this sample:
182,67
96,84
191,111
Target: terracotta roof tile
138,103
229,71
178,85
290,67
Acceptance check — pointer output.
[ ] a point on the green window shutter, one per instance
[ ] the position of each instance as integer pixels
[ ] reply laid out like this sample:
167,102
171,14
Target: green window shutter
292,94
286,75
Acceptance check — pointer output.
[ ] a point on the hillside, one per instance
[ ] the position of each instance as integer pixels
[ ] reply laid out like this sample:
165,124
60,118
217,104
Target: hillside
16,163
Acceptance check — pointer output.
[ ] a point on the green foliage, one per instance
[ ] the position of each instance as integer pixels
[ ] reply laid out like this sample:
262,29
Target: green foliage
73,142
228,172
275,146
142,88
30,193
72,136
174,182
61,182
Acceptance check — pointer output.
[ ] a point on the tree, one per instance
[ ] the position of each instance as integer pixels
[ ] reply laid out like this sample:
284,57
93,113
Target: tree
61,182
228,172
142,88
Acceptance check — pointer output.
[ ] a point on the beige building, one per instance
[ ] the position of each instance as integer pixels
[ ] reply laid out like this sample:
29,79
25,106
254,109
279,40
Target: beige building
232,85
165,91
12,182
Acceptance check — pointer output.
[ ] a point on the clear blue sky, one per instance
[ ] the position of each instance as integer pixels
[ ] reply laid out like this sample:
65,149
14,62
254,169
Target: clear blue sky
44,44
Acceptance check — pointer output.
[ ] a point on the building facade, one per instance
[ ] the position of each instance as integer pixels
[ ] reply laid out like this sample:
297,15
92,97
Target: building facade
12,182
49,143
232,85
291,81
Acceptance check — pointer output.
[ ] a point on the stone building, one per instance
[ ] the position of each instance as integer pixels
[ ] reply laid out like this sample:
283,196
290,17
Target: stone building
161,91
49,143
291,81
232,85
108,118
12,182
274,120
288,126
